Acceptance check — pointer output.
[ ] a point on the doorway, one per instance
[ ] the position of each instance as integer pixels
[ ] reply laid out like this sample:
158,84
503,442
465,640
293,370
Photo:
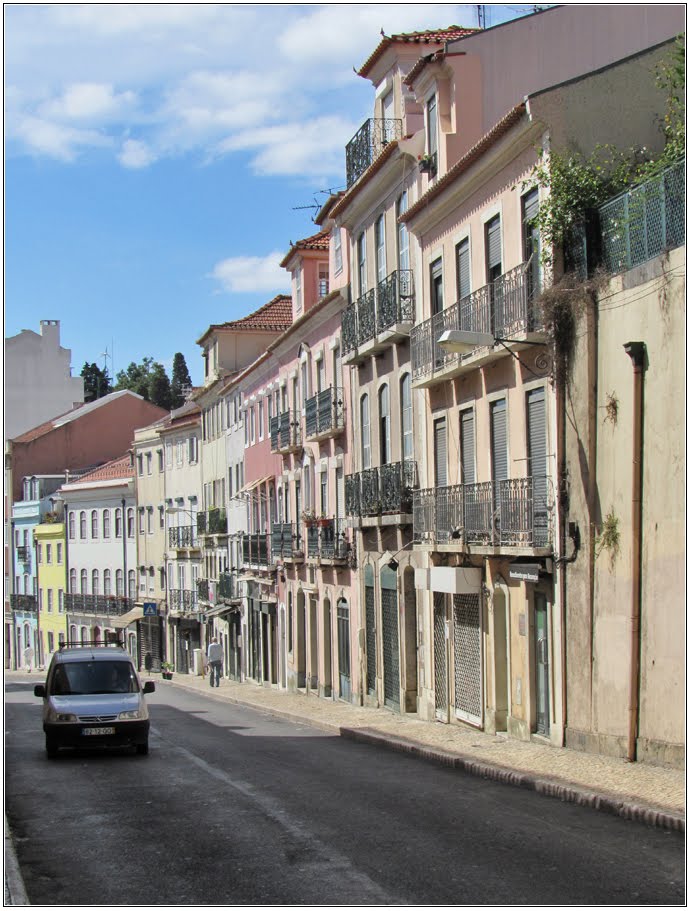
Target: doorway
541,665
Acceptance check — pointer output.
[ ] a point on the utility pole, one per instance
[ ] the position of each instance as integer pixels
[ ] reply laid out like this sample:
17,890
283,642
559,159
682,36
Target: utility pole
481,15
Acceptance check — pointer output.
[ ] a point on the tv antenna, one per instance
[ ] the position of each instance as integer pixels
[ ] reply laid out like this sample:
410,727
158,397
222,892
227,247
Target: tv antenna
481,15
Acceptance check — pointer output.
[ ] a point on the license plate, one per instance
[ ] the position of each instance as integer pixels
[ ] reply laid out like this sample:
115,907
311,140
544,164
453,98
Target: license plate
90,732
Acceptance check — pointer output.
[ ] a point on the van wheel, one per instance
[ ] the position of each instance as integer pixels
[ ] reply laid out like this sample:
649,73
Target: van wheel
143,748
51,748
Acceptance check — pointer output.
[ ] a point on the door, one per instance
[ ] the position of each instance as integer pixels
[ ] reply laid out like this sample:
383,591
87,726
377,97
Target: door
494,266
343,634
467,658
441,688
541,665
389,609
370,631
500,459
531,248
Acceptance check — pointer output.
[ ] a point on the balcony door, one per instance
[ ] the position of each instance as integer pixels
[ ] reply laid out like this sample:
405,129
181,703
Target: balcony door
384,426
440,472
537,463
380,240
500,457
531,241
494,271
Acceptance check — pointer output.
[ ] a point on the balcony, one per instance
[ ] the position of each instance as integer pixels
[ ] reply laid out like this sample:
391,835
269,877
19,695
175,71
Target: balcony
184,536
23,603
379,318
256,550
104,605
327,541
367,144
286,541
212,522
503,307
510,513
228,587
24,553
285,432
324,415
183,600
386,490
203,589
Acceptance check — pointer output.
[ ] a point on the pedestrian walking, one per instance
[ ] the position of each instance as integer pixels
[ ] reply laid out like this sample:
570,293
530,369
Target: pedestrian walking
215,656
28,657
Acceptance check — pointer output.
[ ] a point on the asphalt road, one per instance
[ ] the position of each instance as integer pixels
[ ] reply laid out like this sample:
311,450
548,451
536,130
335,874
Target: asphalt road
235,807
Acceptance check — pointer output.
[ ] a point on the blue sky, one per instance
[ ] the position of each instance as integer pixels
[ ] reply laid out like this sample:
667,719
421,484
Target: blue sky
155,154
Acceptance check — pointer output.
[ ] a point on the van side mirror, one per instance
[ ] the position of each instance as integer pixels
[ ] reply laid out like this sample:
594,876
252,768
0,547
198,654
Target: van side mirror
149,687
40,690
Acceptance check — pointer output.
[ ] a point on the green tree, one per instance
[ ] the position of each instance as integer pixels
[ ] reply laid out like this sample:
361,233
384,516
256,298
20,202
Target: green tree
96,382
180,381
136,377
159,387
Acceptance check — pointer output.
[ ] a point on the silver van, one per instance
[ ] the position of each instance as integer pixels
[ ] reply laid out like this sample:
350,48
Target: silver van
93,697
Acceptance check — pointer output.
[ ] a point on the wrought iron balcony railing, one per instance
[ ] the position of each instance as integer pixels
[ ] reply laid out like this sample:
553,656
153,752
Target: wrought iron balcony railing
368,143
23,603
327,539
24,553
212,522
105,605
285,432
391,303
324,414
183,600
286,541
182,536
511,513
255,549
504,307
203,589
228,587
384,490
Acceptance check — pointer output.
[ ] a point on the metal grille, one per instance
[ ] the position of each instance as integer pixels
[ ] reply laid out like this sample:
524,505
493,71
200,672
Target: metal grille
366,317
395,299
389,604
371,639
467,658
150,642
441,699
367,144
349,330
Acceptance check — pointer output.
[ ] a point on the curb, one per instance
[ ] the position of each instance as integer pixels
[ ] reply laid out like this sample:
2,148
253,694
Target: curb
548,787
15,893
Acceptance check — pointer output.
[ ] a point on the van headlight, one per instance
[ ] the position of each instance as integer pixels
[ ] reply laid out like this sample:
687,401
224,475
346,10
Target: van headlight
60,716
134,715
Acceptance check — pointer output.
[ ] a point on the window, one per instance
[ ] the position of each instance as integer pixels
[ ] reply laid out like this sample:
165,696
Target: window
380,243
73,581
436,286
159,453
406,417
192,450
130,523
169,455
468,446
384,426
106,582
94,524
161,517
82,526
403,240
149,463
261,419
49,553
142,579
141,520
338,252
180,453
387,113
94,582
39,553
150,520
531,240
58,555
51,641
49,600
290,621
61,601
118,523
40,599
119,590
252,424
432,138
440,473
499,442
323,493
323,280
362,264
131,585
493,248
365,430
463,269
83,582
106,523
140,465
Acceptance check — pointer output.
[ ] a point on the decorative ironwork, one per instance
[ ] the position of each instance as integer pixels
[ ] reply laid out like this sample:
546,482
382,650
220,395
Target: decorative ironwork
227,588
370,639
389,608
352,495
349,329
441,698
203,589
467,650
285,432
24,553
367,316
368,143
106,605
370,499
477,513
182,536
387,489
212,522
395,301
324,412
23,603
183,600
256,549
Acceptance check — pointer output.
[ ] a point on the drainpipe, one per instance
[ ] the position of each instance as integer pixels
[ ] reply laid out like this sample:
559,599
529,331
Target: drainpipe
66,525
636,351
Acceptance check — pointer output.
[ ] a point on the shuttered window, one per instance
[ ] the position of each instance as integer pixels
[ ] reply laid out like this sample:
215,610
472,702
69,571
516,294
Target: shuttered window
440,475
537,432
468,446
407,416
500,461
531,239
365,430
493,248
463,269
436,286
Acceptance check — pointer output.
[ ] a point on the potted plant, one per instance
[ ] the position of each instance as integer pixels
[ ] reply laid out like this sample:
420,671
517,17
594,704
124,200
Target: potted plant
428,164
323,521
167,670
309,517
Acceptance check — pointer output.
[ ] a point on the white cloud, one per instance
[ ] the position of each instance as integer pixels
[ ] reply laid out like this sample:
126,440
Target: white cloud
56,141
251,273
88,100
136,154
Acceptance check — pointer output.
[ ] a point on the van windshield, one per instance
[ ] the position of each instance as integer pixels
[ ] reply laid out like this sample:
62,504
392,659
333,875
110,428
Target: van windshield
87,678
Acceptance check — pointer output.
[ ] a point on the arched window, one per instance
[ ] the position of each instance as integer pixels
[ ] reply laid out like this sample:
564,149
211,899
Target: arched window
84,582
73,581
71,525
406,417
365,430
94,582
84,635
130,523
106,582
94,523
384,426
82,525
119,589
106,523
73,634
118,523
131,585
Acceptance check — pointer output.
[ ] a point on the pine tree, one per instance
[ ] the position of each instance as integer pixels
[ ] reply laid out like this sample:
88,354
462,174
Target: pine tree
96,382
180,382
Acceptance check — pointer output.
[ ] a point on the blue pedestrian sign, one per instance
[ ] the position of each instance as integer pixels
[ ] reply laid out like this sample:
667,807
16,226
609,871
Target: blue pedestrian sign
150,609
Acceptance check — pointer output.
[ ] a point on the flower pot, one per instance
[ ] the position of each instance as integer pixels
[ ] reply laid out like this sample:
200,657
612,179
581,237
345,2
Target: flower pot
167,675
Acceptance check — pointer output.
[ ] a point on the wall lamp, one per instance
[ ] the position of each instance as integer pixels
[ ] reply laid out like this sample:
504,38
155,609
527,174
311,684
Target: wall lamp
393,562
461,341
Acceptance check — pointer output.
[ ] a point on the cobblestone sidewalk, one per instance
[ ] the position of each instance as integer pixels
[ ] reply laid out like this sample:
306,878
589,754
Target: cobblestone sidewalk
639,791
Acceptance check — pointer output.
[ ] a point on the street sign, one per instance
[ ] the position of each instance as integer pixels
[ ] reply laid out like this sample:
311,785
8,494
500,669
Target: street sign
150,609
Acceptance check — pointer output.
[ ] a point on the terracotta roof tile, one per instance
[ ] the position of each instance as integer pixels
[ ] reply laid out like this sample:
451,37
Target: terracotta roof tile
319,241
110,471
366,176
274,316
433,36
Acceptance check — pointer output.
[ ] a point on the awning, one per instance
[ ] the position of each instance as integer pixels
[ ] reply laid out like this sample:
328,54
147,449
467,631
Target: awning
137,613
222,609
252,484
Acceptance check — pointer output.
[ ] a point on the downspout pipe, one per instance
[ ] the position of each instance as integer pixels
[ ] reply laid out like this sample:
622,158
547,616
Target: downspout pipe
637,352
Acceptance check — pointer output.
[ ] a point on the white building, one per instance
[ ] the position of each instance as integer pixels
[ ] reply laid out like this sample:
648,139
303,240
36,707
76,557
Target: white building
38,379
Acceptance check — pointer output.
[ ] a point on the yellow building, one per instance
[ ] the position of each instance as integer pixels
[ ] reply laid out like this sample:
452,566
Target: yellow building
52,584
